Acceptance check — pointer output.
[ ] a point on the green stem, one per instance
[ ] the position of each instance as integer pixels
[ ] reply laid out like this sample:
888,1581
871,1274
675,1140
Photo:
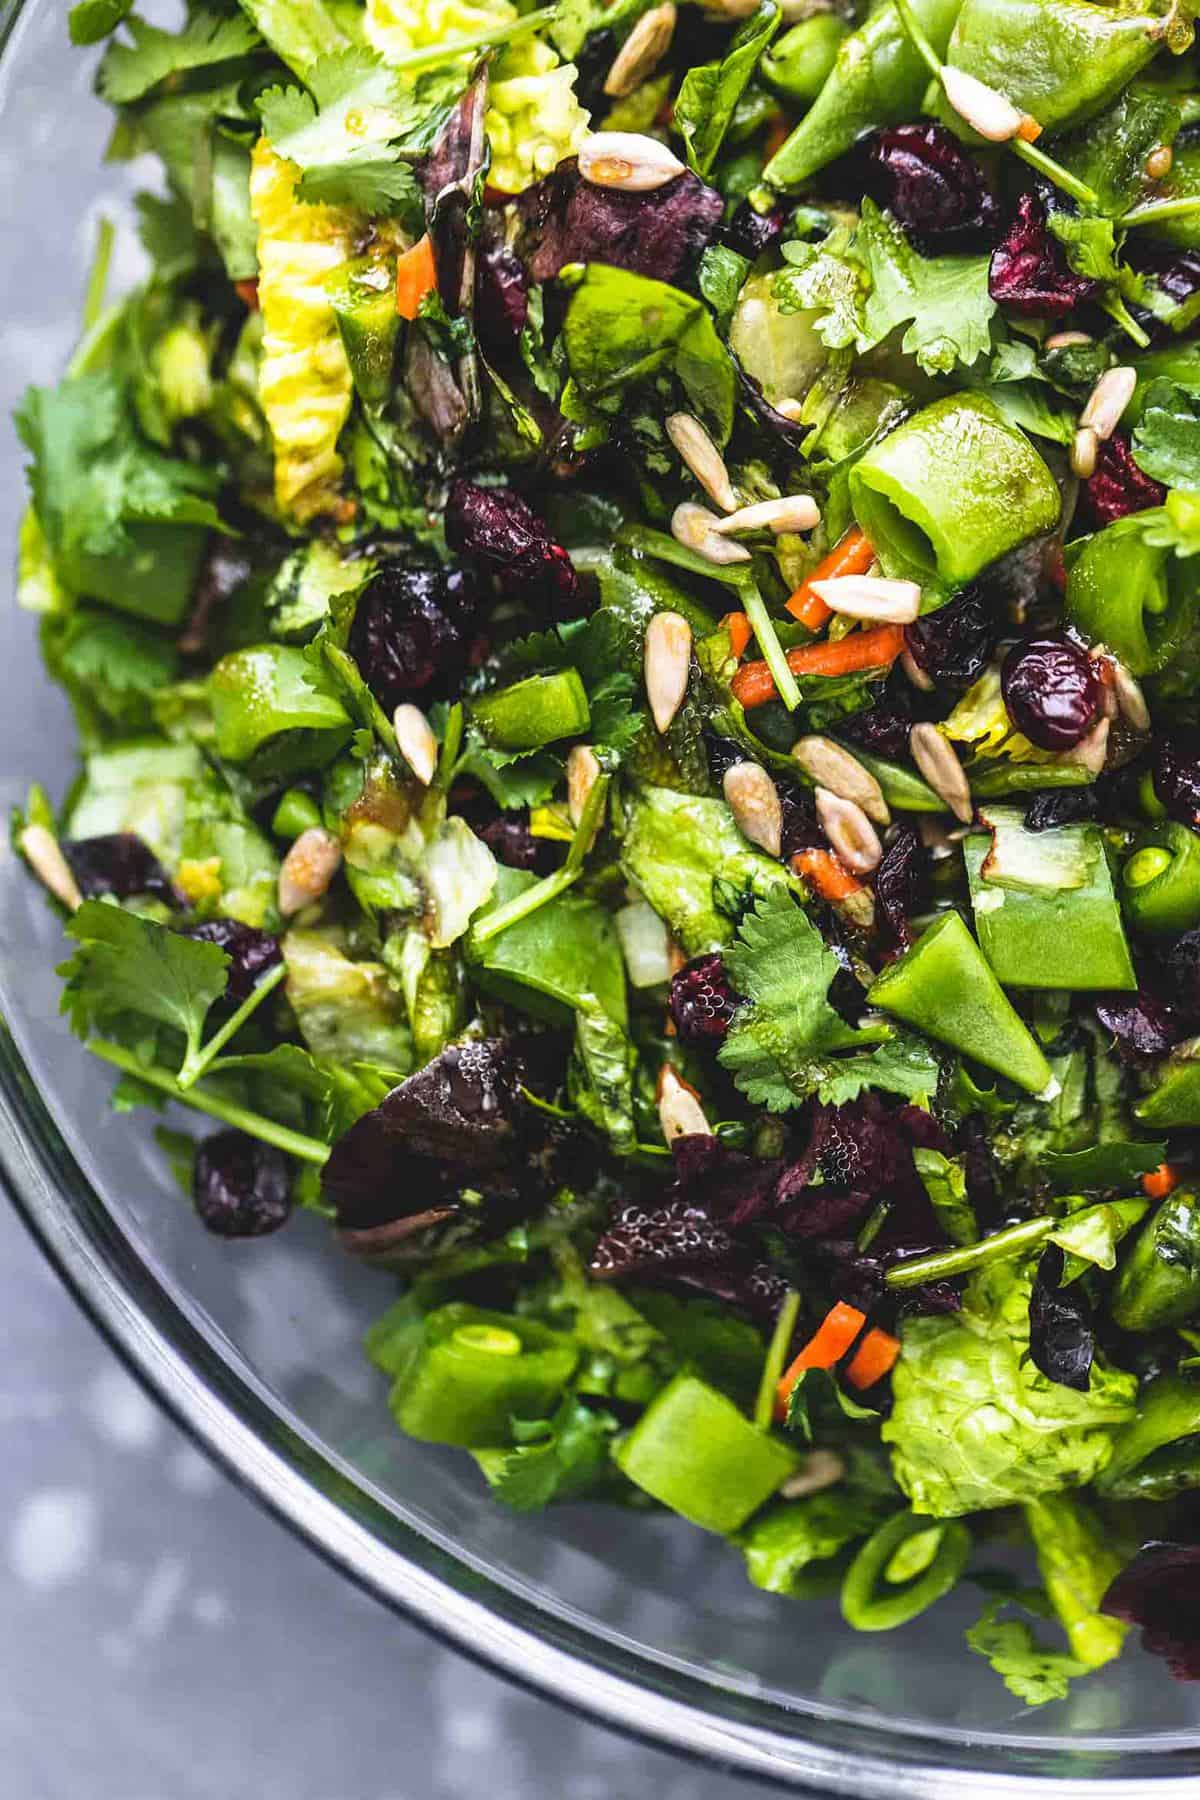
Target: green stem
254,1124
451,748
919,41
997,1248
93,301
1054,171
874,1225
777,1349
550,886
768,642
196,1061
664,548
1152,211
1116,308
464,46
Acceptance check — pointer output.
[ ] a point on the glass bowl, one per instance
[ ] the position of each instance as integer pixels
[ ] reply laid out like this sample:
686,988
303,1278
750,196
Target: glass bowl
645,1622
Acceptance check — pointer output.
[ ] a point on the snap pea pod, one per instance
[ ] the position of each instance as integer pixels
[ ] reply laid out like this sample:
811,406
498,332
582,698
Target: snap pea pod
878,78
1160,882
802,60
1157,1455
1133,596
902,788
884,1587
1158,1282
990,780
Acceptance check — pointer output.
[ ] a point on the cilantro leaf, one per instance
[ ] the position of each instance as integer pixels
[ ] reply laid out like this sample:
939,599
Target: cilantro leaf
906,1066
1030,1671
130,71
111,666
601,1082
125,964
562,1462
823,278
778,1044
346,136
1166,442
91,20
710,92
945,297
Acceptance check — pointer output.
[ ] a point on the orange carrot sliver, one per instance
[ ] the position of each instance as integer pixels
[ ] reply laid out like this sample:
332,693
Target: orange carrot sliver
830,1341
877,648
874,1357
738,627
826,873
1160,1182
416,276
851,555
247,292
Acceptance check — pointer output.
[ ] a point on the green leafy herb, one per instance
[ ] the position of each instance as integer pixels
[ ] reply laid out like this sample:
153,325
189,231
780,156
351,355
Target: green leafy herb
1030,1671
1090,1237
1090,244
1166,441
130,71
562,1460
604,1094
722,272
786,1539
784,967
1110,1165
126,965
709,93
945,297
944,1180
91,20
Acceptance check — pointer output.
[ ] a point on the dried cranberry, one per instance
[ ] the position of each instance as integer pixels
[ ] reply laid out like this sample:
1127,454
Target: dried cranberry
952,644
899,880
789,431
660,233
1117,486
750,232
226,568
411,633
1052,690
593,60
1177,968
701,1002
801,829
242,1188
935,190
1059,806
882,730
730,1186
1160,1591
722,754
1177,776
1061,1340
1174,274
497,529
511,842
1029,272
251,953
756,1287
501,296
1141,1024
117,863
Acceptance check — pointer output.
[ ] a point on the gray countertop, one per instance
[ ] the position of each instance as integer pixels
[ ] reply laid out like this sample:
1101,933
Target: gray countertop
169,1641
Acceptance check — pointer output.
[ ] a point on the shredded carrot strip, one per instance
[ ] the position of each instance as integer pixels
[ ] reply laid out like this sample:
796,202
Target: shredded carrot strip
247,293
1161,1181
851,555
738,627
872,1360
826,873
877,648
831,1340
416,276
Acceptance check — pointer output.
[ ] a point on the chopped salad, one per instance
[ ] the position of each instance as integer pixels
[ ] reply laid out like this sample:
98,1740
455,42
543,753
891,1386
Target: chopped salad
630,586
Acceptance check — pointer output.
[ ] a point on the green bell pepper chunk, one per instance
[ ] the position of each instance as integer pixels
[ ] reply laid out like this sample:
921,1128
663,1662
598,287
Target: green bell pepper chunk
533,712
801,61
903,1568
363,297
1060,60
903,789
1158,1280
1160,883
470,1372
1183,183
696,1453
1070,939
943,985
951,490
271,704
1157,1455
878,78
1137,598
1175,1099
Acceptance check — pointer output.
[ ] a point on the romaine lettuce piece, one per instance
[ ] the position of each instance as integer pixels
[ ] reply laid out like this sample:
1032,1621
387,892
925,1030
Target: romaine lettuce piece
347,1011
976,1425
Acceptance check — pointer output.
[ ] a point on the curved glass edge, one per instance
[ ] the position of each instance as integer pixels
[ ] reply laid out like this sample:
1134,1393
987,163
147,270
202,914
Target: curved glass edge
485,1620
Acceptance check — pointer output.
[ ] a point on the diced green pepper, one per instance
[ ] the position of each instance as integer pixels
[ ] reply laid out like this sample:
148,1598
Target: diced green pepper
799,64
1158,1282
943,985
1135,597
693,1450
1160,883
363,297
951,490
296,812
539,710
470,1372
1071,939
1157,1455
270,703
